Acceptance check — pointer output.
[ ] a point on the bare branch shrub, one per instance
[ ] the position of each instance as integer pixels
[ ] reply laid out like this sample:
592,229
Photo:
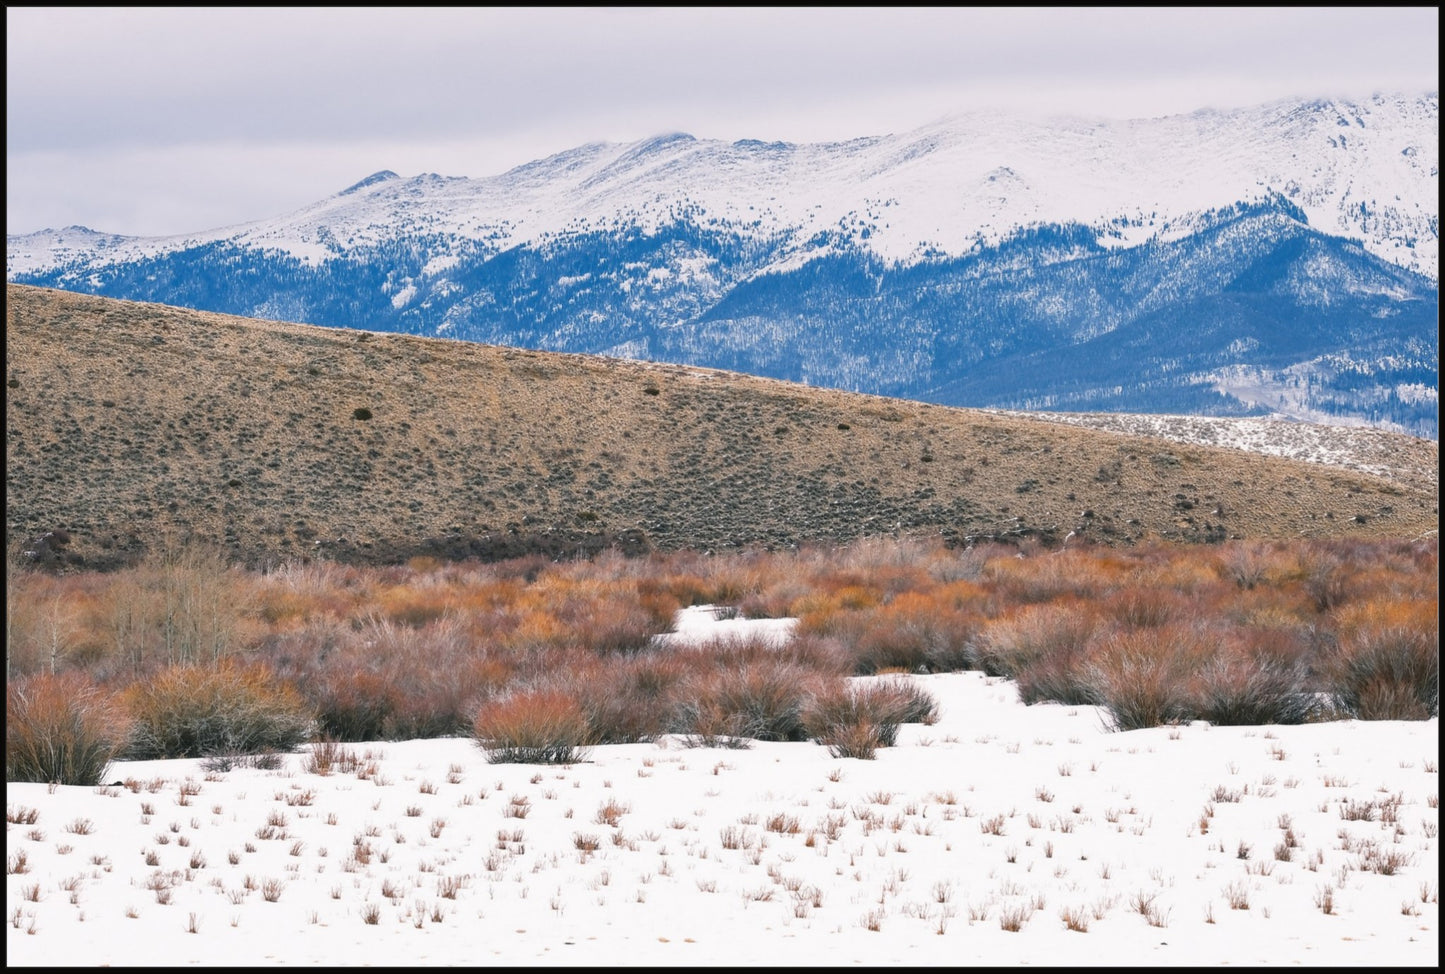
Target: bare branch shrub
1386,665
1136,677
222,709
854,720
532,727
63,729
1246,683
1044,643
760,695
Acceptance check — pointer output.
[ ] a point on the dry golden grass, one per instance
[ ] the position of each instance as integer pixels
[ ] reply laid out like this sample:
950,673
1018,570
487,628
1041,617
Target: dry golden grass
126,422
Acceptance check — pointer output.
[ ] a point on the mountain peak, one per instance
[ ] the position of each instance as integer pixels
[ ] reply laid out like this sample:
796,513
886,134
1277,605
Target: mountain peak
376,177
758,145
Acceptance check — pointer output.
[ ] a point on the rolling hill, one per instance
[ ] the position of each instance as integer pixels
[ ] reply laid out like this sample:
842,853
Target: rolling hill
127,421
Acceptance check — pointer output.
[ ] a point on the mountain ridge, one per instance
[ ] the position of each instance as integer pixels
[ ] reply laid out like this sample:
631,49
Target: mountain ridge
981,246
1209,149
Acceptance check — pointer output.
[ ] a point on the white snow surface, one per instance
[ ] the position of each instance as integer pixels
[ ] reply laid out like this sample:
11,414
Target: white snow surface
1172,847
1368,449
1365,169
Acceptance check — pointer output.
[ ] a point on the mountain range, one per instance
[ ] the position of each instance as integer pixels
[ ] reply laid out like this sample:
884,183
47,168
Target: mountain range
1276,261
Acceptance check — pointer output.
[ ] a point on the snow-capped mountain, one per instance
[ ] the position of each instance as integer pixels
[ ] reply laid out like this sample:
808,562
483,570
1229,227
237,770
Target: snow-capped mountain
1275,260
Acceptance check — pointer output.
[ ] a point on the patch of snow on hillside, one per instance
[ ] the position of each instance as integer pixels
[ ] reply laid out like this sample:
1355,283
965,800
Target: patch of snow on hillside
1377,452
439,263
1417,392
1286,394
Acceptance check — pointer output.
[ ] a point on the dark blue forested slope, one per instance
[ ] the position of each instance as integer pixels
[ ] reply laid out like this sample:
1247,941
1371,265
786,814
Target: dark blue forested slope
1253,312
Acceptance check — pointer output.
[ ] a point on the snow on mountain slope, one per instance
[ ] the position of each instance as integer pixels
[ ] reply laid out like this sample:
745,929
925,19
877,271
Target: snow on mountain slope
1366,169
1378,452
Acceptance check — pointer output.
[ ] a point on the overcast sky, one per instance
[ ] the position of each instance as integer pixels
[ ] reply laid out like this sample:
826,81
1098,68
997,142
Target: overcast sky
155,121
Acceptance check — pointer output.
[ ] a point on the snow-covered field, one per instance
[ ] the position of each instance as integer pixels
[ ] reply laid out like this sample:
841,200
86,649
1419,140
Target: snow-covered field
1378,452
1001,834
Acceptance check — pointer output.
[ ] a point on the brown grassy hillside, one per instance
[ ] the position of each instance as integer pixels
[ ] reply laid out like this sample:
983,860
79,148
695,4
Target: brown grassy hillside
125,421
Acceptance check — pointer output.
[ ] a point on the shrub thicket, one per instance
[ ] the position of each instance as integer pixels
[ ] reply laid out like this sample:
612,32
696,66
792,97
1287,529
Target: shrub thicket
1386,665
1234,689
390,681
853,720
1256,675
224,709
631,700
62,729
353,704
763,700
917,632
1246,633
626,699
532,727
1137,679
1015,644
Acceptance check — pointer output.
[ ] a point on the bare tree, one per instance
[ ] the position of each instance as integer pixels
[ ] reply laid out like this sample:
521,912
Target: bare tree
201,603
59,628
15,571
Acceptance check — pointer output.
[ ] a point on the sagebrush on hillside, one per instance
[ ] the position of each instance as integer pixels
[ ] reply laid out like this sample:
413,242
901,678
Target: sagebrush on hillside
126,422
